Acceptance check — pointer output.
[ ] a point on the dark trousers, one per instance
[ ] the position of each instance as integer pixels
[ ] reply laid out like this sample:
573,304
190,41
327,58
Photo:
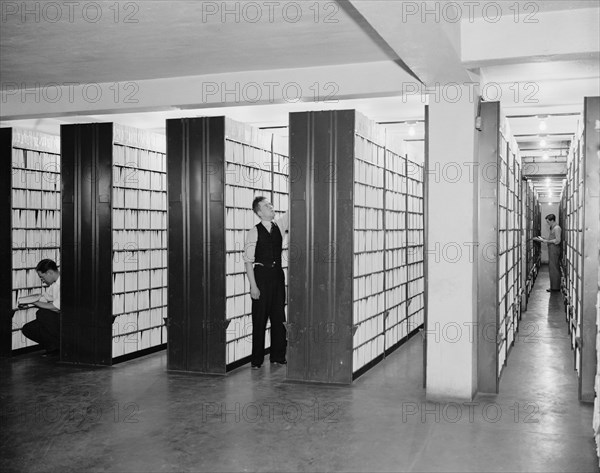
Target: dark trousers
45,329
269,306
554,266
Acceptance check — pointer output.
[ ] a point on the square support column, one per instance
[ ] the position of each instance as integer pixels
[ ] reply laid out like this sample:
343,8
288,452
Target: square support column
452,176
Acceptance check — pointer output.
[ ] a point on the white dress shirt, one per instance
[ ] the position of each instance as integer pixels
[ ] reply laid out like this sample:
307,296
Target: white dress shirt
51,294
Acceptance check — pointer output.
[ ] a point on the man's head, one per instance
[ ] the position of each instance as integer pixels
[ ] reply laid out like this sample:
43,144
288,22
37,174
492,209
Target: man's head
550,218
263,208
47,271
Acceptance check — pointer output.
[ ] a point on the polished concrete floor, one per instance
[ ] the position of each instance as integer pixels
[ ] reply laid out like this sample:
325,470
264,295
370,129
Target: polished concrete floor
136,417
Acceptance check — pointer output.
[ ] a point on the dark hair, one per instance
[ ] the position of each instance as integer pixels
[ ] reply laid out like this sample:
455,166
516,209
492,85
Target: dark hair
256,203
551,217
45,265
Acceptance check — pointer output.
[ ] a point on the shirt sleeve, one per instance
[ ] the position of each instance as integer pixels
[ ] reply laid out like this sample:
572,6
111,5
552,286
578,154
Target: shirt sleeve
558,235
284,224
250,245
55,291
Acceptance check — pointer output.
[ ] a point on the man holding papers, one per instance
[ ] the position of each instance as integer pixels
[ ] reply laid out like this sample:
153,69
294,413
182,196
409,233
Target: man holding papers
45,329
262,257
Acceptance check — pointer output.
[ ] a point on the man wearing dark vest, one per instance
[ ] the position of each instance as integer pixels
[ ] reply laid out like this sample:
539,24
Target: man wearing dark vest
262,256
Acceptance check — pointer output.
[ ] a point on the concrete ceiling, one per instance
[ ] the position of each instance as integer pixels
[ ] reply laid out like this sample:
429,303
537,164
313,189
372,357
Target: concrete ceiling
161,39
543,62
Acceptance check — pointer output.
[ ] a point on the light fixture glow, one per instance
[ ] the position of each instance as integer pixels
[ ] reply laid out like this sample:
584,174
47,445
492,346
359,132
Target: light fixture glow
543,125
545,157
543,143
411,131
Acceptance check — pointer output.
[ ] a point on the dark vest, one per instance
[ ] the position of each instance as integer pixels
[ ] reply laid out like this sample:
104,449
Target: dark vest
268,246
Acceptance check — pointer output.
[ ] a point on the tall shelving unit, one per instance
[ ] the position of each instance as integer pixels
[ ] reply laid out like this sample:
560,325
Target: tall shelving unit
216,168
114,224
139,232
256,163
532,219
415,225
580,205
501,235
572,262
509,244
32,172
357,197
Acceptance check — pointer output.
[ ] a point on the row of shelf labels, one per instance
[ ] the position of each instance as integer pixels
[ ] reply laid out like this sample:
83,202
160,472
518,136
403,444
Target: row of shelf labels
140,159
140,300
366,150
368,240
136,321
36,200
366,263
367,196
35,180
135,179
139,239
35,160
368,219
368,330
36,219
139,199
29,258
251,154
368,174
129,219
398,332
368,307
395,165
236,284
35,238
134,342
240,219
242,197
240,327
367,353
238,305
139,259
240,175
239,349
139,280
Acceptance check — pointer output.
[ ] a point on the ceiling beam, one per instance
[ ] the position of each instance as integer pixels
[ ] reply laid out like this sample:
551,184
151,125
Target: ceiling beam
316,85
431,49
532,37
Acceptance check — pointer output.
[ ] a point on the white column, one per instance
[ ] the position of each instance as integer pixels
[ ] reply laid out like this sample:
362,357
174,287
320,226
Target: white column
452,254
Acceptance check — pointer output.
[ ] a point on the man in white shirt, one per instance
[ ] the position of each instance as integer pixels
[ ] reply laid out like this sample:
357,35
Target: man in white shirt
262,257
45,329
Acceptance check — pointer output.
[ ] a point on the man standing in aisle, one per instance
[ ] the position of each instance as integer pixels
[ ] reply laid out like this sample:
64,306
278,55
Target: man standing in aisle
45,329
262,257
553,242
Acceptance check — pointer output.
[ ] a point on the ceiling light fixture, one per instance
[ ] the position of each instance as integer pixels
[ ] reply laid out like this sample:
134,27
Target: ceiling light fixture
545,157
543,143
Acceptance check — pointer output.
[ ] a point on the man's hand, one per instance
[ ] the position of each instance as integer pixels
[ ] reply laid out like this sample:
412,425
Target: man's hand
254,292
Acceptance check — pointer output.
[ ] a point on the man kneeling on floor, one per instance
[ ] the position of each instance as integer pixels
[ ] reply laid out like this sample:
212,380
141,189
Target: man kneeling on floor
45,329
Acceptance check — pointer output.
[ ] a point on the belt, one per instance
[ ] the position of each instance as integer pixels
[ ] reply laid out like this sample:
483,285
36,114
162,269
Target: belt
274,264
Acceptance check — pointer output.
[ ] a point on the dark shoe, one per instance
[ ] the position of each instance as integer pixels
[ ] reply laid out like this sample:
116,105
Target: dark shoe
279,362
255,367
